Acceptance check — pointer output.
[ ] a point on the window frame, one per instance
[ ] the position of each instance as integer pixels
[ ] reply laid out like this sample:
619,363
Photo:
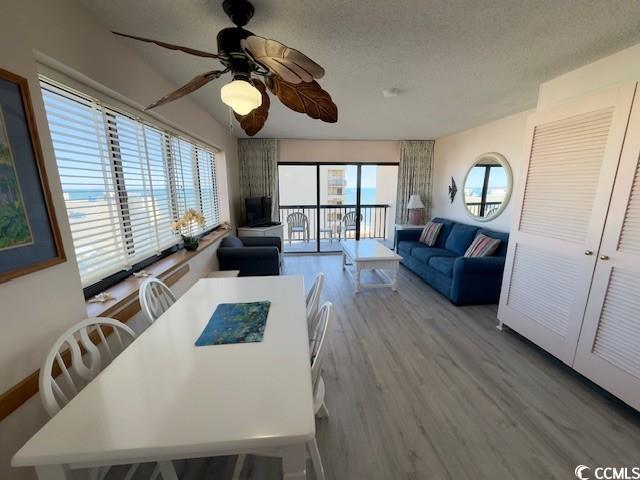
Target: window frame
110,114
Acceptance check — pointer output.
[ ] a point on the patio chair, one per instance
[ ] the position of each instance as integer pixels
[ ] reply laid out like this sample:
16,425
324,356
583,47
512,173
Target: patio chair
347,224
297,222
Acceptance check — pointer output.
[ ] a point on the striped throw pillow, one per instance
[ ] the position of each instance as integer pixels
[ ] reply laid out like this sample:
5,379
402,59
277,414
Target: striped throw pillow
482,246
430,233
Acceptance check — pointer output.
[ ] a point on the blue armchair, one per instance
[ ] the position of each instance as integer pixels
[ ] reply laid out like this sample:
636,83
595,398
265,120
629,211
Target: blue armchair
465,281
252,256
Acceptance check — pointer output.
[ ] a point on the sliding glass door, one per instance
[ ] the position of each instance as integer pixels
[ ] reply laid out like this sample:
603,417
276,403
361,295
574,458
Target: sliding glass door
352,201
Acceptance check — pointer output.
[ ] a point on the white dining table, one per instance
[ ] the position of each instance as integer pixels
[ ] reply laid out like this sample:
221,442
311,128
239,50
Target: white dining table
165,399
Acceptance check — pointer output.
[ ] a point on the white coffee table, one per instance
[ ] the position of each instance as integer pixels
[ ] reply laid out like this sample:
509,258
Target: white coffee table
370,255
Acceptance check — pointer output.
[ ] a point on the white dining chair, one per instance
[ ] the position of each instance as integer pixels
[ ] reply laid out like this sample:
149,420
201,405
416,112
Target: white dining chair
155,298
319,346
59,382
313,299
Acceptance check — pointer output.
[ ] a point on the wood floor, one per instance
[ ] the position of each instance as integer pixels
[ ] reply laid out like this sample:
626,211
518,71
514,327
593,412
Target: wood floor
420,389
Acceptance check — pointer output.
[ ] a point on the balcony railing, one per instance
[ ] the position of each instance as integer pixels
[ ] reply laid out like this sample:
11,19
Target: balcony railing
373,223
489,208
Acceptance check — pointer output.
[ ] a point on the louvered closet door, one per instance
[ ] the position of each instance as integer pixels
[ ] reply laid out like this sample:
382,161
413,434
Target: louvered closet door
572,152
609,345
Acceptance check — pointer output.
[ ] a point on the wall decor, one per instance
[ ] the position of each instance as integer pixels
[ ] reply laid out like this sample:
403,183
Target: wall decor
29,235
453,189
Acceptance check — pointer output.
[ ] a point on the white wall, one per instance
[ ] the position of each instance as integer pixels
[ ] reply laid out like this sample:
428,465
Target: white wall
616,69
342,151
36,308
454,155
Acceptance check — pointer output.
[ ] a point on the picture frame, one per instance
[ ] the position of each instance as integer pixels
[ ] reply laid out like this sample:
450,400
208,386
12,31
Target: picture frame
30,237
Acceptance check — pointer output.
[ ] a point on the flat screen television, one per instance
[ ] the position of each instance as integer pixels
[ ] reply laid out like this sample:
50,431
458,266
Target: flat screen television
258,211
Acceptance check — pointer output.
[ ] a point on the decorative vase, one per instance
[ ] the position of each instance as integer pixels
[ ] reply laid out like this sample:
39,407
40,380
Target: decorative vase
190,243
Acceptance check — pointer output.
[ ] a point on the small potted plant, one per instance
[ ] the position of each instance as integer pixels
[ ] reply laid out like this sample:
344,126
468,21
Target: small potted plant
187,226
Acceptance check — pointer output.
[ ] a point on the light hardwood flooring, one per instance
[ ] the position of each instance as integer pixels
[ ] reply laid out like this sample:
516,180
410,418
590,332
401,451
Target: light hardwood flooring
420,389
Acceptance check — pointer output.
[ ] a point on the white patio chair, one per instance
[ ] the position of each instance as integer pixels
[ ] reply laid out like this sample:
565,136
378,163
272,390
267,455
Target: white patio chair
347,224
155,298
297,222
319,347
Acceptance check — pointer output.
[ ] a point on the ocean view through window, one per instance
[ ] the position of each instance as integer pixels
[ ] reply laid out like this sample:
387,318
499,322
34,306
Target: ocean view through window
124,182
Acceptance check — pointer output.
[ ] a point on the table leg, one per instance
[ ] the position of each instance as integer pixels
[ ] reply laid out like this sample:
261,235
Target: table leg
344,260
357,278
394,283
52,472
294,465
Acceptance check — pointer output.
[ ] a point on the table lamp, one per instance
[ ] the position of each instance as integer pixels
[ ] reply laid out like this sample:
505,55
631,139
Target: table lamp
415,207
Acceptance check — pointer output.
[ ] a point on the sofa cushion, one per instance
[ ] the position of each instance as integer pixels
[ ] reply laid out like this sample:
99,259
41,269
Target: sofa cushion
405,249
460,238
447,226
443,265
231,241
425,254
430,233
502,236
482,246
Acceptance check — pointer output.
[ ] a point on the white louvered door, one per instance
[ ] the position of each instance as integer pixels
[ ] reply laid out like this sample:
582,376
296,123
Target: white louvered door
572,152
609,346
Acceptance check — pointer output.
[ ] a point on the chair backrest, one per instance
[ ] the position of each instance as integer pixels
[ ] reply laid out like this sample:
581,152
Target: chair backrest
155,298
313,299
87,359
349,218
297,219
318,340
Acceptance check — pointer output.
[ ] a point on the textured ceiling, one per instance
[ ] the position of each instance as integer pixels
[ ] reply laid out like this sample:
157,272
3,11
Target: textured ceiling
458,63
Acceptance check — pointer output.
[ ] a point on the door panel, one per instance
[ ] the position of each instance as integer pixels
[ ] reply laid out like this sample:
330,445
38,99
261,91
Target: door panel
573,152
609,346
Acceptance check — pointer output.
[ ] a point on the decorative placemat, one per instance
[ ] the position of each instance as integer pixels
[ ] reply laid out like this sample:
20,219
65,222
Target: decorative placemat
235,323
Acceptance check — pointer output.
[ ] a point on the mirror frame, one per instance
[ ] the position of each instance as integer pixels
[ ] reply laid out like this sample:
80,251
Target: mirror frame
500,159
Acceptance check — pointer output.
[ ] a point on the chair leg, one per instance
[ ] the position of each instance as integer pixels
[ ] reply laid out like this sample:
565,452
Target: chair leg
316,461
323,411
167,471
132,471
237,468
156,472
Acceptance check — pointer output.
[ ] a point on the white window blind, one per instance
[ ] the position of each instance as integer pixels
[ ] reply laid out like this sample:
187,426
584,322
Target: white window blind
124,181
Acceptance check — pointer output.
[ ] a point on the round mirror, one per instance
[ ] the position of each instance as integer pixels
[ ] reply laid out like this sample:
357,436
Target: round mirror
487,186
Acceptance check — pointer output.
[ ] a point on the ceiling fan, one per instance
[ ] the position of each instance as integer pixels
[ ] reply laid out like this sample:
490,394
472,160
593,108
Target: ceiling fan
256,64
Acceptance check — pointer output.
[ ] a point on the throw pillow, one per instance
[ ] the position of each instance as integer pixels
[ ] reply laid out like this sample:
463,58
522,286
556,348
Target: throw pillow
430,233
482,246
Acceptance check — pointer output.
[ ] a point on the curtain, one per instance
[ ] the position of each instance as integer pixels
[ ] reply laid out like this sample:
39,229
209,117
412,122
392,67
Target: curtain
414,176
259,171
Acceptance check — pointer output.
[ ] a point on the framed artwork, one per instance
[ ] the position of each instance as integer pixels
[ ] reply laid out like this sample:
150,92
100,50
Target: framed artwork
29,235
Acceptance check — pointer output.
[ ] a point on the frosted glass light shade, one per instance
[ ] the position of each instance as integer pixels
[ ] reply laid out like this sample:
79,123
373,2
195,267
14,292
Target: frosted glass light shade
241,96
415,202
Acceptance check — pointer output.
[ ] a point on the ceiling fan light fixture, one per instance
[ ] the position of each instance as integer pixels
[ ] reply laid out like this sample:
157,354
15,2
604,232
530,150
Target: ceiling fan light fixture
241,96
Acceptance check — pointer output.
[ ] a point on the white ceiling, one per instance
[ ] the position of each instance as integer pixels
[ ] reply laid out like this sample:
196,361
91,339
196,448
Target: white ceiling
458,63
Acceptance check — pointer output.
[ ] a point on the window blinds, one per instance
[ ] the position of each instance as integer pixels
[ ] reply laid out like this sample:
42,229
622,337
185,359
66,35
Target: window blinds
124,182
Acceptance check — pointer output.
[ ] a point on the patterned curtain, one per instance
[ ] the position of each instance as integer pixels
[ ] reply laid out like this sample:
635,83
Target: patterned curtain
414,176
259,171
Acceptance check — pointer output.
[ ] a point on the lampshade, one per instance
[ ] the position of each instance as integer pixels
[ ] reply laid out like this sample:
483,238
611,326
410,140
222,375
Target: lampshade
241,96
415,202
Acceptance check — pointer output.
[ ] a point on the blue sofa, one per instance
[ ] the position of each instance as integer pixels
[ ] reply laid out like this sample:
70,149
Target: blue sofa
465,281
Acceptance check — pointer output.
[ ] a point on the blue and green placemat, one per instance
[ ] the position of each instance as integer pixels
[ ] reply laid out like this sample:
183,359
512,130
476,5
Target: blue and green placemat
235,323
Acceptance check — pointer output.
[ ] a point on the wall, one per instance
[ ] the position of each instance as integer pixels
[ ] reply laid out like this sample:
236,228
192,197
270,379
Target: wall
36,308
616,69
454,154
342,151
